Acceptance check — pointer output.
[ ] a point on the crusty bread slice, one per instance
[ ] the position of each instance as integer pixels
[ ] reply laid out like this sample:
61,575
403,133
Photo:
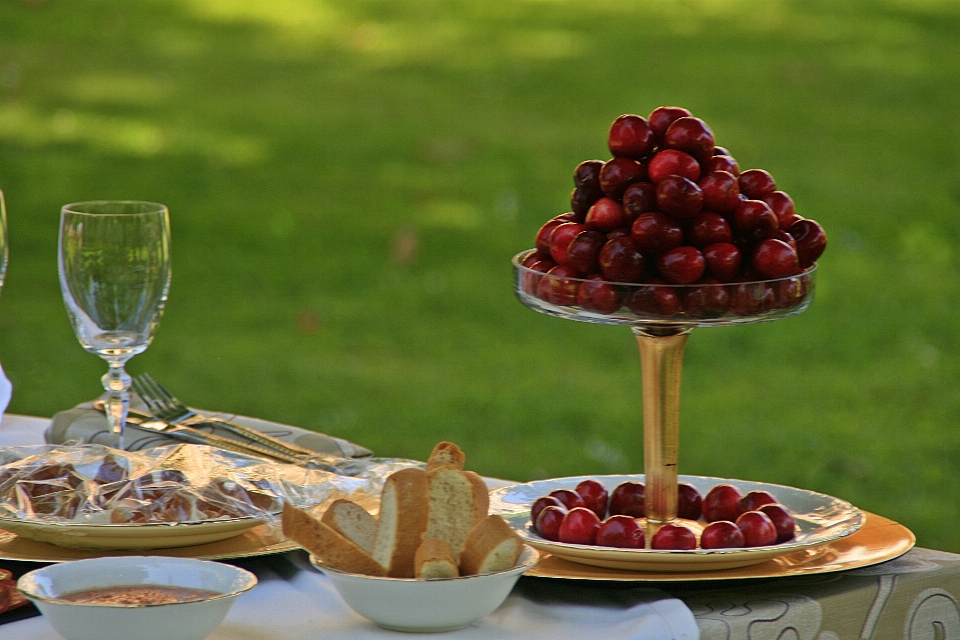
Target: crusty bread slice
458,500
351,521
491,546
403,519
446,453
434,559
328,545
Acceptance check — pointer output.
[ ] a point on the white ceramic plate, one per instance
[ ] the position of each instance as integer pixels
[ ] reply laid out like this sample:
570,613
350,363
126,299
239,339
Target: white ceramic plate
129,536
820,519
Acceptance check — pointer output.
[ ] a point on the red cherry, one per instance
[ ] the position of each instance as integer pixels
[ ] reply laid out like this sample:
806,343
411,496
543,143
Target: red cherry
639,197
720,191
689,501
788,293
598,295
628,499
622,232
782,206
559,286
630,137
756,184
619,173
708,228
530,259
708,301
811,241
623,532
549,521
722,163
691,135
754,219
722,261
780,234
679,197
621,260
543,235
722,534
662,117
721,503
671,162
581,202
753,500
751,298
584,250
673,536
782,520
530,281
758,529
656,233
683,265
775,259
570,498
595,496
580,526
586,178
542,503
654,299
605,215
560,239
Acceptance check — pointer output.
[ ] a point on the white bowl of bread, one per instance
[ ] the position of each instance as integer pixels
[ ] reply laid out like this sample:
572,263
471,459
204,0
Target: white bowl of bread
433,560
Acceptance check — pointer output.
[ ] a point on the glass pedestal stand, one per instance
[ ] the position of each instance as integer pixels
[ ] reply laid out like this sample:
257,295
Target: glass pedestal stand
661,330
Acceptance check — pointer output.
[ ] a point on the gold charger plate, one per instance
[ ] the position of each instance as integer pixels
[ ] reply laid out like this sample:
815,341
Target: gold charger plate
820,519
253,542
878,540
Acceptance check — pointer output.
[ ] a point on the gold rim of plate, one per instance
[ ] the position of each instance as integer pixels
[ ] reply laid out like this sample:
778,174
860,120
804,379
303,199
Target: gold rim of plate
879,540
256,541
821,519
154,535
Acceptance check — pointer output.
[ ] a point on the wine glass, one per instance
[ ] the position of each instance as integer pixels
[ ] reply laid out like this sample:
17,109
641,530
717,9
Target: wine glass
661,317
114,263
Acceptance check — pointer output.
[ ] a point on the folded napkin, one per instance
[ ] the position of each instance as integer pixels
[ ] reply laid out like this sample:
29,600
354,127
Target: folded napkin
85,424
6,390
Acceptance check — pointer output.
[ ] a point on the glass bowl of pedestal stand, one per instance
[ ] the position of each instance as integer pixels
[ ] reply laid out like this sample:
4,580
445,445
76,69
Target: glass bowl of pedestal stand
661,317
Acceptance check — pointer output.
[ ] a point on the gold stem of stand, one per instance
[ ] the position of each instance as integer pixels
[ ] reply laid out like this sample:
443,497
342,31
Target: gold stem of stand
661,361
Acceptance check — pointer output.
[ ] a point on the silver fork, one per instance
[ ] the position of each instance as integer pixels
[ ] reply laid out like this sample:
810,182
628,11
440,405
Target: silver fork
167,407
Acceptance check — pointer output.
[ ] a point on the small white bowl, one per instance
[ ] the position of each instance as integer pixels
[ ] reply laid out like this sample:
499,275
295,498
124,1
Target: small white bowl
192,620
425,606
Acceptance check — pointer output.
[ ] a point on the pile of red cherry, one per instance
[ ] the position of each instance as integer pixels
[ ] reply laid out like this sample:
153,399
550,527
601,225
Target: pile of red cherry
591,515
671,208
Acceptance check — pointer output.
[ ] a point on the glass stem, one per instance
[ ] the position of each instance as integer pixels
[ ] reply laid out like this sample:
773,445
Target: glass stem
117,383
661,361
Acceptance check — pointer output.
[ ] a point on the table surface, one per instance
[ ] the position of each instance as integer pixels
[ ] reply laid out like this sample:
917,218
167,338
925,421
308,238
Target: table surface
914,596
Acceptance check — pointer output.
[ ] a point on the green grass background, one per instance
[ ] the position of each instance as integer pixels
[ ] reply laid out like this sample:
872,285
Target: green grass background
348,180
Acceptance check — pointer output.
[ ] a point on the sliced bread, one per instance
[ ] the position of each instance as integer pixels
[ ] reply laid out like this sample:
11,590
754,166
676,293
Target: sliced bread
446,453
434,559
490,546
403,520
353,522
458,500
328,545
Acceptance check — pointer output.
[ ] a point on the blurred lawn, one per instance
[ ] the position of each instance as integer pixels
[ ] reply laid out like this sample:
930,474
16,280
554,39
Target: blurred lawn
348,180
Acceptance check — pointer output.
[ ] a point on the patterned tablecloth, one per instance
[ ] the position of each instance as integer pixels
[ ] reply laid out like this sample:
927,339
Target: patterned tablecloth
914,597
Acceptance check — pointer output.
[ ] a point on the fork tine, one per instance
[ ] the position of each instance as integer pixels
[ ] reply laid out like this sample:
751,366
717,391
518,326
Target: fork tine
146,388
168,397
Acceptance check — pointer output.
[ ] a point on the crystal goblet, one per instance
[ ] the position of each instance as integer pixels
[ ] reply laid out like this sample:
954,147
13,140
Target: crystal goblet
661,317
114,264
